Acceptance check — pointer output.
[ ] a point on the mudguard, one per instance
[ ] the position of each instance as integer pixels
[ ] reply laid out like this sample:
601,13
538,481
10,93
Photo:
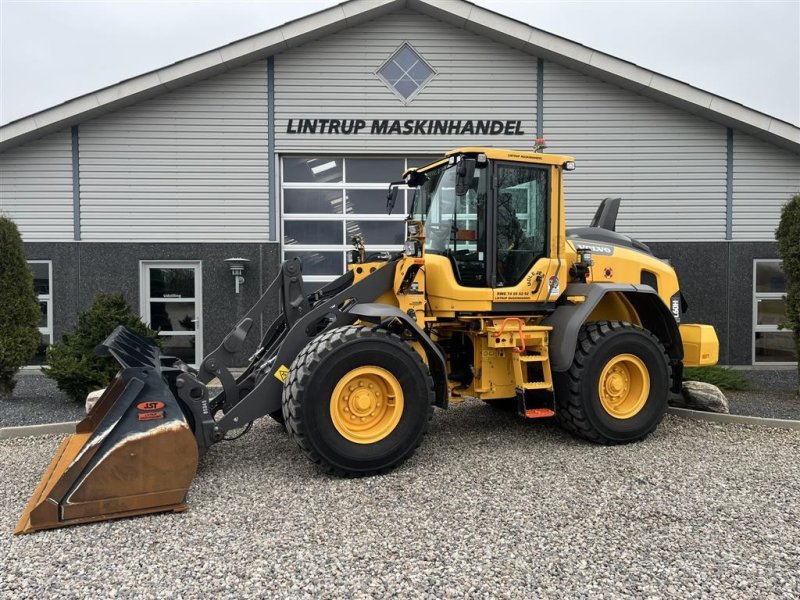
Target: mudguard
384,314
568,318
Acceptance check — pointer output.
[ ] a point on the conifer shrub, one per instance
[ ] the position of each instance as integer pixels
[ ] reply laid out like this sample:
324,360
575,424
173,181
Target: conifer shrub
788,236
72,362
19,307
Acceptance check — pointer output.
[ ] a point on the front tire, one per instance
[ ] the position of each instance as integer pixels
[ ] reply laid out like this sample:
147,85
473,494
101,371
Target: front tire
617,388
358,401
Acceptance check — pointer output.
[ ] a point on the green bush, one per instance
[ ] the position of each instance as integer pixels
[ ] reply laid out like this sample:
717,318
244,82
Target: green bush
72,361
725,379
788,236
19,307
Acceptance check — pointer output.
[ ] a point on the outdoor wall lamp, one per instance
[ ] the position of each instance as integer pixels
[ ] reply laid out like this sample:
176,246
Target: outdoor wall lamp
237,265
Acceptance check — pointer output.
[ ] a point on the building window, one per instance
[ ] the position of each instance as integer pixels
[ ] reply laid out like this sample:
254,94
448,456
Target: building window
43,284
406,72
771,345
327,200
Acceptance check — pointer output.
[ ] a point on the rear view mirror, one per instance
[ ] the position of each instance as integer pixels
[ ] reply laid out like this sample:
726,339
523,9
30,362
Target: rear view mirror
465,173
391,198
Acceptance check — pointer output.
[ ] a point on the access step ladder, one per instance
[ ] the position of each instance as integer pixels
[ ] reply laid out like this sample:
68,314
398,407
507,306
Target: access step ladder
530,361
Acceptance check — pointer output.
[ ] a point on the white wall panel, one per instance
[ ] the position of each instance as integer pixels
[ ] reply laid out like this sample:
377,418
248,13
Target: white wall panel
764,179
334,77
36,188
190,165
668,166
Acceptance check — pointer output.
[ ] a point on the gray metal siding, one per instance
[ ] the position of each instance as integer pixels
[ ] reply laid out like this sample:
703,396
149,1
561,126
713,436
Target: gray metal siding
36,187
764,179
191,165
668,165
334,77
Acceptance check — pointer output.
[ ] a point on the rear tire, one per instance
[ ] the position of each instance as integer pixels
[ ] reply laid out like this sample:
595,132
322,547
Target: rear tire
316,393
617,388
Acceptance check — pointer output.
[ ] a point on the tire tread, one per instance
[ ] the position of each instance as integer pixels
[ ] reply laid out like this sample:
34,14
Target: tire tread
298,379
570,413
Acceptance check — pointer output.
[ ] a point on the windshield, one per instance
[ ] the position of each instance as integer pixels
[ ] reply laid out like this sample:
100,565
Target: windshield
451,222
455,226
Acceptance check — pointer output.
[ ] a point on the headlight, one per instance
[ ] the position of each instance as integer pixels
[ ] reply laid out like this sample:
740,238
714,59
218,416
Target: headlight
412,230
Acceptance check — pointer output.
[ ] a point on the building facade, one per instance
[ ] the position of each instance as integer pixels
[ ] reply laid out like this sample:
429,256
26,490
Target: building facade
282,145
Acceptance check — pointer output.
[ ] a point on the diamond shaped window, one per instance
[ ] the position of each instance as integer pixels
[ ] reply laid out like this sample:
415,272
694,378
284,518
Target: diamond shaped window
406,72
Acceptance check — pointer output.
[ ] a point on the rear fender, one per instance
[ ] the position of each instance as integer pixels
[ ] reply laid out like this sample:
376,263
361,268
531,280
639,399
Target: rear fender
384,315
652,313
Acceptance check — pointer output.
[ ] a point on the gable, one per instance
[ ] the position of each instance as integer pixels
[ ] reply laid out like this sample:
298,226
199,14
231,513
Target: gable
335,78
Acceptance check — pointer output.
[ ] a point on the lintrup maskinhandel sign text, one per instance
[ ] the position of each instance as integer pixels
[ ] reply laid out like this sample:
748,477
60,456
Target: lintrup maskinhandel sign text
403,127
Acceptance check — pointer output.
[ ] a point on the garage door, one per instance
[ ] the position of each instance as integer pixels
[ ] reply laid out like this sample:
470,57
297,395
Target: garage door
327,200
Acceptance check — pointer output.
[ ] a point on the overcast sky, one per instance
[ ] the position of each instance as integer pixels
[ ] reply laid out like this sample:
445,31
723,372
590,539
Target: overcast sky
51,51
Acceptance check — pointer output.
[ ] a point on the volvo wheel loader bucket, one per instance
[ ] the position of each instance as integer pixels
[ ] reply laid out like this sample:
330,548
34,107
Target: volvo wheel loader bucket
133,454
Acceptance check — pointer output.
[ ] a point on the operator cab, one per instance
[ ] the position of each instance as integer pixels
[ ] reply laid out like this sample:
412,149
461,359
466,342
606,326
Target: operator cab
492,234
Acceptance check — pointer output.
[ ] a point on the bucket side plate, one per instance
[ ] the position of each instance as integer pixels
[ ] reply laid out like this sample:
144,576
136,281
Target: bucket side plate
133,454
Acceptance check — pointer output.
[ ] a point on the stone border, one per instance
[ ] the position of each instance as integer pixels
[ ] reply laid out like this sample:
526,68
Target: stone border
6,433
699,415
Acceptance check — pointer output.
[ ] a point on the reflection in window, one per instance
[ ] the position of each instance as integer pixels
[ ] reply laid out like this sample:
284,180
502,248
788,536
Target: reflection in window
318,263
307,169
171,283
771,344
172,316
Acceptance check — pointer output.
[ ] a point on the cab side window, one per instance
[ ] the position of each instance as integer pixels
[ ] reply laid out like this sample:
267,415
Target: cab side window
521,221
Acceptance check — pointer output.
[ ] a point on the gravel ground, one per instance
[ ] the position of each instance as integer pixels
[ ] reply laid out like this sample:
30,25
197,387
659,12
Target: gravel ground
758,403
490,507
36,399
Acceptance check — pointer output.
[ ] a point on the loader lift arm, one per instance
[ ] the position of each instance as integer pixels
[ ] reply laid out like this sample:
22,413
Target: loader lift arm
258,390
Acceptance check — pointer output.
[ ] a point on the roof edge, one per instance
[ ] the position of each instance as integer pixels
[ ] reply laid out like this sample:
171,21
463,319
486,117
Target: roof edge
617,71
460,13
195,68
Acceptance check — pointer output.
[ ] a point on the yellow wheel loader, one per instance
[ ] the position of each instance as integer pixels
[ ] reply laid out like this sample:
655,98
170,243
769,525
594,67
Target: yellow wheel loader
492,298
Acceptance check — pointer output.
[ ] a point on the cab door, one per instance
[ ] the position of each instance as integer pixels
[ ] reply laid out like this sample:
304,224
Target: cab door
521,267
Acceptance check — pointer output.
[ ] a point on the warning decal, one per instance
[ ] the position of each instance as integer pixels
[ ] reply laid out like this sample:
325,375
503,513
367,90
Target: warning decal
554,285
153,415
282,373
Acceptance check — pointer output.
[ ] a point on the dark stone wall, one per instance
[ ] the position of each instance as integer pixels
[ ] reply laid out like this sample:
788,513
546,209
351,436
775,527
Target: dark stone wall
717,280
81,270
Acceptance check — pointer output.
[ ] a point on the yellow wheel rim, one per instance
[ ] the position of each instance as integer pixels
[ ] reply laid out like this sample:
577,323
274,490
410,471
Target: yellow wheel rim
366,404
624,386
